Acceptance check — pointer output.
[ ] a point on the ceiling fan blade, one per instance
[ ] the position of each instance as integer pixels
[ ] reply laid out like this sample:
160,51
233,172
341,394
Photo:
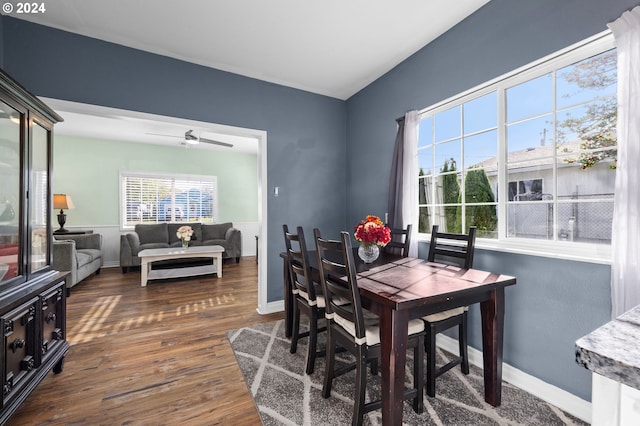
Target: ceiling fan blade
211,141
168,136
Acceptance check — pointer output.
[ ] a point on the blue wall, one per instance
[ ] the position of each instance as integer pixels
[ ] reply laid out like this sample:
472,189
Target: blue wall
306,147
555,302
326,154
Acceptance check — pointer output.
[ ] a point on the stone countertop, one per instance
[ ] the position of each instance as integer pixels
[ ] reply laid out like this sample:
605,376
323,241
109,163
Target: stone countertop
613,350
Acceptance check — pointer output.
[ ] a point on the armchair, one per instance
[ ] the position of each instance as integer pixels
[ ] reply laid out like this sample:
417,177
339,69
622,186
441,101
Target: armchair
79,254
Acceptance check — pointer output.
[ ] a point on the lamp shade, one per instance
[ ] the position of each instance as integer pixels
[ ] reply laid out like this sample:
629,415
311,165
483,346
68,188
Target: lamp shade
62,201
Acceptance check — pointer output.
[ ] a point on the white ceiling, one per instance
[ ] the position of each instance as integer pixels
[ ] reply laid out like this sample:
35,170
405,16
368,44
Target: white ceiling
330,47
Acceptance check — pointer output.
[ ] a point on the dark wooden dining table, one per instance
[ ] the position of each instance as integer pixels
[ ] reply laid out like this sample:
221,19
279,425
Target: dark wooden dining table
400,289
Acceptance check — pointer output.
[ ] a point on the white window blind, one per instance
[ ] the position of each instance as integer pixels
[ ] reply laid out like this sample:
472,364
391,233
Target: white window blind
146,198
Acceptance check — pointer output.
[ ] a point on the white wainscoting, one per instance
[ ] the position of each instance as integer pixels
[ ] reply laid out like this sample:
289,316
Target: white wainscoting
111,240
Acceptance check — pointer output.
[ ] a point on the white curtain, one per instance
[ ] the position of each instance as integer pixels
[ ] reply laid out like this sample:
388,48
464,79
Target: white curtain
625,241
410,177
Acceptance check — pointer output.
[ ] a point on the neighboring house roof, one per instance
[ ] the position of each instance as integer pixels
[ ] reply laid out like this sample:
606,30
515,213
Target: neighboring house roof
534,156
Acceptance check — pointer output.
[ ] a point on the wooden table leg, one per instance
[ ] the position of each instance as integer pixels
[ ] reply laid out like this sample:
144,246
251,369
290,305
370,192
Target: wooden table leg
218,259
492,312
288,299
144,270
394,340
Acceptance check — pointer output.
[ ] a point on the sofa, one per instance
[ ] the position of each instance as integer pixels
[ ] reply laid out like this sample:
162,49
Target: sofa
80,254
163,235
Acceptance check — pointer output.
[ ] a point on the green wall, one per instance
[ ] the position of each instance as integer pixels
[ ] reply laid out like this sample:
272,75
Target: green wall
88,170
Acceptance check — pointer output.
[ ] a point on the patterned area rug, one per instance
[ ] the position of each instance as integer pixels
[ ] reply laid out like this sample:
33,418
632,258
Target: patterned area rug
285,395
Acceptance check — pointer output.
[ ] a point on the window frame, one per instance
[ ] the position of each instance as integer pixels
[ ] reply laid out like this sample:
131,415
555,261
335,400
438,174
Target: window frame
571,250
122,213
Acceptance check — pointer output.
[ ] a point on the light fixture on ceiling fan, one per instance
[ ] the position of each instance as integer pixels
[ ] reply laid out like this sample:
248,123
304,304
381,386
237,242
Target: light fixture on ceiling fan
191,139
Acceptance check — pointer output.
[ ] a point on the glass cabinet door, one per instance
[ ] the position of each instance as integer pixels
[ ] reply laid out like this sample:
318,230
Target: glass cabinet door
10,264
39,196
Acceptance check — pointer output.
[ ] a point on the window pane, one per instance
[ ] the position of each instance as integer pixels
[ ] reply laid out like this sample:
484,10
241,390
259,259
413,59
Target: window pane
594,123
530,139
586,80
425,160
481,209
448,189
531,181
529,99
425,132
485,218
588,222
448,213
481,113
424,221
481,150
433,213
449,153
597,181
447,124
530,220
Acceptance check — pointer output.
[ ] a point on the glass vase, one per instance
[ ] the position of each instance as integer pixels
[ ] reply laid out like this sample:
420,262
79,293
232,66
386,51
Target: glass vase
368,252
185,244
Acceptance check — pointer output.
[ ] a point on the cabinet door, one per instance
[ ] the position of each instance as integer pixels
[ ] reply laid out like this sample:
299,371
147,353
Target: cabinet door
53,304
11,120
19,347
39,196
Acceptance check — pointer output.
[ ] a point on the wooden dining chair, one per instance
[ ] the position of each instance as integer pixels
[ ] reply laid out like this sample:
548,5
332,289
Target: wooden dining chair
357,330
451,249
400,241
307,296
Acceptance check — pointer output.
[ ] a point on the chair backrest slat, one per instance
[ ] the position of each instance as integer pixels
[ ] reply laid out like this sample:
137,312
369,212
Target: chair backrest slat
400,241
451,245
338,279
299,268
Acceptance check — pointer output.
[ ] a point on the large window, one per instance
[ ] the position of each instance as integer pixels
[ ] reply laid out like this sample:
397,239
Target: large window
531,155
146,198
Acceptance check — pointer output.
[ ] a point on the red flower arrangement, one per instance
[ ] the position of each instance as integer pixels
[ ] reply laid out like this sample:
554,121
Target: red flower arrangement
372,231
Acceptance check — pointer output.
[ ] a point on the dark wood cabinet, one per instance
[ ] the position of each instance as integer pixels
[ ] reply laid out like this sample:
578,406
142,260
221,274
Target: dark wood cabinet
32,294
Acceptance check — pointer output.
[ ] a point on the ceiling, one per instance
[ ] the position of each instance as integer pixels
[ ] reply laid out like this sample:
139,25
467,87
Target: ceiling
97,122
331,47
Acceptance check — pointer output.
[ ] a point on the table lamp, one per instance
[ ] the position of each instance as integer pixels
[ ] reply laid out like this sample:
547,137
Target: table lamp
62,201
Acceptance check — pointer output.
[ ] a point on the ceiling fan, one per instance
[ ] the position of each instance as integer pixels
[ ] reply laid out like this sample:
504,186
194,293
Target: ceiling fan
191,139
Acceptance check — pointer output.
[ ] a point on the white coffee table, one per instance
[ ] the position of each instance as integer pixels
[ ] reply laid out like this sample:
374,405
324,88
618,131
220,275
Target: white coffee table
148,256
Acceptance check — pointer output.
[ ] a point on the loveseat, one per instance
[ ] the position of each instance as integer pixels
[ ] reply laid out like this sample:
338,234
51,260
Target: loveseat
162,235
80,254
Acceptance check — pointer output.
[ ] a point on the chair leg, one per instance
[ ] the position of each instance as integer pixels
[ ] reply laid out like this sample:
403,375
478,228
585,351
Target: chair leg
295,331
430,346
330,363
313,341
361,387
462,340
374,367
418,375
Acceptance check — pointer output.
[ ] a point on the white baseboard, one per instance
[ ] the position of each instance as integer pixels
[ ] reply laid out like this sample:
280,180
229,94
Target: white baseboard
562,399
271,307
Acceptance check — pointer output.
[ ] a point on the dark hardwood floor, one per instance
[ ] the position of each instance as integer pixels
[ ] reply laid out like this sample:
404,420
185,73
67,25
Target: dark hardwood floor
157,355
